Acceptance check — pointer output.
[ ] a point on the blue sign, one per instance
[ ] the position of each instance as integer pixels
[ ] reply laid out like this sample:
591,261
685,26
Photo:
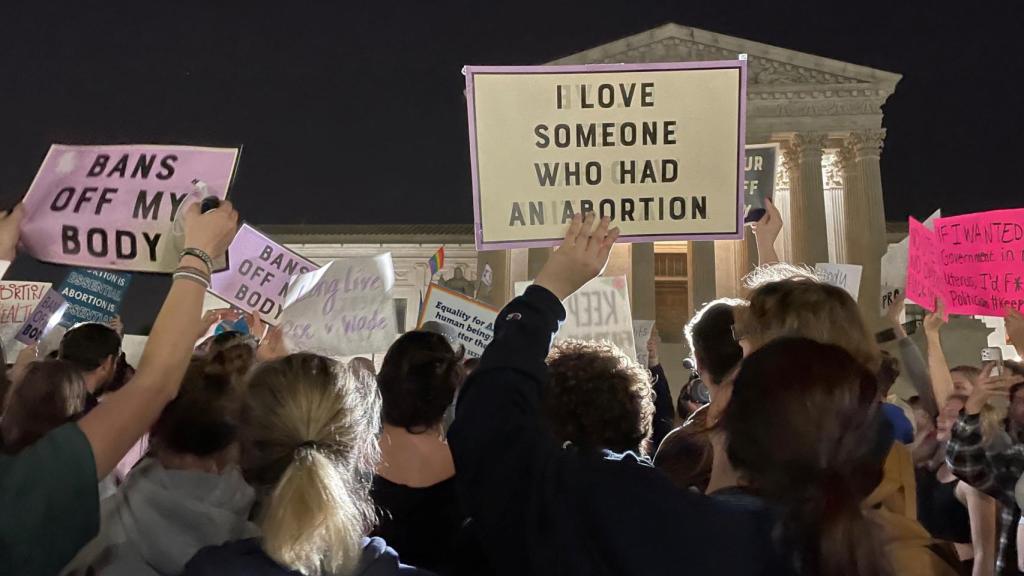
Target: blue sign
93,295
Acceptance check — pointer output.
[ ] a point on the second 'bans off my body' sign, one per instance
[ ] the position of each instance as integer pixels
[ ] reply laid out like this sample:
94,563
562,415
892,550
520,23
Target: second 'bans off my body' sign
656,147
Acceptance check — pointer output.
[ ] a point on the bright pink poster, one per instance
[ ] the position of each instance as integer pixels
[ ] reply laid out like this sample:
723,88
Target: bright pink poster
982,258
114,206
924,272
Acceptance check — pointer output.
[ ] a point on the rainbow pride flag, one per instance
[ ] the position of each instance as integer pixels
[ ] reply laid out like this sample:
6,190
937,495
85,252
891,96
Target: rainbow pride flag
436,261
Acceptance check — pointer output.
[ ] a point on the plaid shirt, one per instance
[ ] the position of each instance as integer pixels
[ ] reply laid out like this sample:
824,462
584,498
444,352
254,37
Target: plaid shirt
993,474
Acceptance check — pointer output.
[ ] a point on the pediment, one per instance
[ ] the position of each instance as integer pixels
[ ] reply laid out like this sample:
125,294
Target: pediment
769,67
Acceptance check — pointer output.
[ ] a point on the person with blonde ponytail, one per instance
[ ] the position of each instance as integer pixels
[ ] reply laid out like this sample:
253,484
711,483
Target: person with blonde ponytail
308,434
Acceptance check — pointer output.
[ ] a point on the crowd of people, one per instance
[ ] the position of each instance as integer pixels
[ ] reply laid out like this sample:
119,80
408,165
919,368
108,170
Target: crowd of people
786,452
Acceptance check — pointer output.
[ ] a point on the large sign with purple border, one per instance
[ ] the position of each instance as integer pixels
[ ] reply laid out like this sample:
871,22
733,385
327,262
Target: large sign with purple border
659,148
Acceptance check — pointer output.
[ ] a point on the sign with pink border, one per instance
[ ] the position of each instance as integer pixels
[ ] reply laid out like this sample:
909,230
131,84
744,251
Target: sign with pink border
658,148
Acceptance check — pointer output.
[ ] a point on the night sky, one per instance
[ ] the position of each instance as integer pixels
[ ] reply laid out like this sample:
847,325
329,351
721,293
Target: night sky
352,112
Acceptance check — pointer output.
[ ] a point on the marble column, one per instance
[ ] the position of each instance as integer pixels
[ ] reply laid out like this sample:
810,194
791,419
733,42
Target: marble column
808,233
864,238
642,280
701,266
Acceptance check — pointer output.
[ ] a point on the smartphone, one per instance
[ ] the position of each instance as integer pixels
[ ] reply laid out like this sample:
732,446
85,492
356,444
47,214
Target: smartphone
993,354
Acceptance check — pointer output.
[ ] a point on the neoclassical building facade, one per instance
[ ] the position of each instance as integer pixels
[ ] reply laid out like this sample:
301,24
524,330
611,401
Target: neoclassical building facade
824,115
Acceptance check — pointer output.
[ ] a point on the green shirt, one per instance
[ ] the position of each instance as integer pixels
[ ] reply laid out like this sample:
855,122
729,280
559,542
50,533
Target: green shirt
49,503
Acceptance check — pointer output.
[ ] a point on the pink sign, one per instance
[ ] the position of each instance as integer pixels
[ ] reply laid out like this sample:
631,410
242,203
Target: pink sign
258,274
982,259
924,273
46,315
114,206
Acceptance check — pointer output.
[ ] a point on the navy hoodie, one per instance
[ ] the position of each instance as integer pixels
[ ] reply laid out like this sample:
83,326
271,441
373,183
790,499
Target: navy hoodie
246,557
543,509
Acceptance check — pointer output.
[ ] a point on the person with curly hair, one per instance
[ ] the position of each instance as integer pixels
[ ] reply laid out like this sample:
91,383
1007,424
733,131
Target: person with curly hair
598,399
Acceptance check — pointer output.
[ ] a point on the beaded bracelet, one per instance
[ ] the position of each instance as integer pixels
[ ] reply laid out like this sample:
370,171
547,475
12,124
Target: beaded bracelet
196,252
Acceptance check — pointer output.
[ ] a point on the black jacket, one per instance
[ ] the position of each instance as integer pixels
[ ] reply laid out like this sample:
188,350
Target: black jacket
540,509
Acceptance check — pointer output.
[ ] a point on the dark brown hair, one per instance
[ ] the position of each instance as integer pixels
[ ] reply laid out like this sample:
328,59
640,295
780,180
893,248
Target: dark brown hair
598,398
418,379
203,419
710,336
51,393
801,430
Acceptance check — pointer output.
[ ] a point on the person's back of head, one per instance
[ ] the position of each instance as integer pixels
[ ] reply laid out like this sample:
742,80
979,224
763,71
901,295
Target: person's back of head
418,380
803,307
91,346
597,398
803,430
202,421
710,337
235,360
308,436
49,394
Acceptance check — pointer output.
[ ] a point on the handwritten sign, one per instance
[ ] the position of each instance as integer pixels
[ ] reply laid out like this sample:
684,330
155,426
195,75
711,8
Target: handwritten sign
43,319
924,270
17,301
597,311
758,179
93,295
258,273
658,148
894,266
982,261
642,332
845,276
471,322
343,309
114,206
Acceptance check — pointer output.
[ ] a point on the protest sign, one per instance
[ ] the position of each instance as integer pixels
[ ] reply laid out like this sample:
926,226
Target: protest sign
845,276
642,332
43,319
343,309
17,301
658,148
93,295
758,179
894,266
258,273
597,311
982,261
132,345
114,206
470,322
924,270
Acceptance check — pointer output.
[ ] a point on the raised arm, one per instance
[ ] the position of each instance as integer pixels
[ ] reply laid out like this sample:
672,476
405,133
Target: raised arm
124,416
664,411
503,456
1014,322
942,380
913,363
993,474
766,231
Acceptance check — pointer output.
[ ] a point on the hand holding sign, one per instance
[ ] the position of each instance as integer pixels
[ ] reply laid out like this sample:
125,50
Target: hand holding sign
213,231
580,258
1014,322
934,321
766,231
10,230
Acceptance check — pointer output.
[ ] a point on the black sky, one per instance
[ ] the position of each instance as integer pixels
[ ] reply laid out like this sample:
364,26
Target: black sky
352,112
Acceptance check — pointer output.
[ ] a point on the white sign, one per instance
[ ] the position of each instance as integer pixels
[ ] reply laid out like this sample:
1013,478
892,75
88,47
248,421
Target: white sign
642,332
132,345
17,301
845,276
598,311
461,319
342,309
